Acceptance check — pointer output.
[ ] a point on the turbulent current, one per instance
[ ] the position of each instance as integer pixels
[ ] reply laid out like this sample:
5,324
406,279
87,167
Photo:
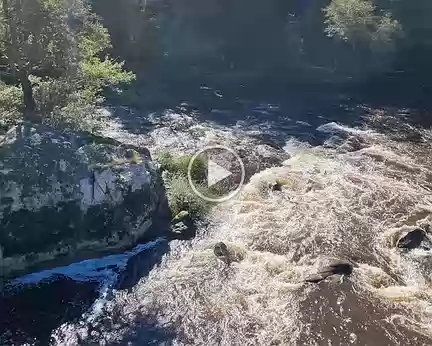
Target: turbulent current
350,198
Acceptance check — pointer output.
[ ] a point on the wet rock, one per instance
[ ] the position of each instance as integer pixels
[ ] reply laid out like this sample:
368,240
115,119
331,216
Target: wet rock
336,267
179,228
220,250
228,253
315,278
64,197
140,264
255,158
333,142
182,134
353,143
182,226
277,186
183,230
183,215
414,239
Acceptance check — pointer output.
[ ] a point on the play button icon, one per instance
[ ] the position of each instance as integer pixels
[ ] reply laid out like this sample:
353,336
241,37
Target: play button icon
224,174
215,173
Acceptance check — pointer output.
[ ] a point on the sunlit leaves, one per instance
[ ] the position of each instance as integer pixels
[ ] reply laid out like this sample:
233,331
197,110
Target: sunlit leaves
103,73
61,47
359,21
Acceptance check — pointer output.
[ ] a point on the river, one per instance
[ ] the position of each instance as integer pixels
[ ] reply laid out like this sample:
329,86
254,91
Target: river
352,186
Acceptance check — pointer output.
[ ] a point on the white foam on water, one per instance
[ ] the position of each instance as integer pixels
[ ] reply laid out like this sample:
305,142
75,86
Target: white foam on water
102,270
332,204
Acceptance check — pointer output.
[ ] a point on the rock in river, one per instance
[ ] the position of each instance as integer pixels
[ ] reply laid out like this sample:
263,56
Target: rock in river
228,253
335,267
66,197
414,239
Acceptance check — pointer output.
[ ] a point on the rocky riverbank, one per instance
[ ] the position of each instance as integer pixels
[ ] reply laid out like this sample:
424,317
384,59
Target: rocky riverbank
337,252
326,244
68,197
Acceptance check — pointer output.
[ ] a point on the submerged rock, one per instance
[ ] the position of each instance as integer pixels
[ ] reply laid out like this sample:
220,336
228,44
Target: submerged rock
336,267
277,186
65,197
255,158
413,239
353,143
228,253
220,250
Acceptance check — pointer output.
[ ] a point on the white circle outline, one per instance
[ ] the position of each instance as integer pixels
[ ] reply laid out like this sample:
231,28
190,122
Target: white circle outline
232,194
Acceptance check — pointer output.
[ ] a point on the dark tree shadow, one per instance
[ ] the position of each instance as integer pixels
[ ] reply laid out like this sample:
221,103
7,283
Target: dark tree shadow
271,110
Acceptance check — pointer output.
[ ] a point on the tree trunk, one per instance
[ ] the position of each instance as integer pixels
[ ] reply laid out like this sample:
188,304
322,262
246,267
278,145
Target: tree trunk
17,65
28,99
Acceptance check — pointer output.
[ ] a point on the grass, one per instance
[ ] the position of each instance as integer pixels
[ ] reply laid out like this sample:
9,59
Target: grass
180,165
181,197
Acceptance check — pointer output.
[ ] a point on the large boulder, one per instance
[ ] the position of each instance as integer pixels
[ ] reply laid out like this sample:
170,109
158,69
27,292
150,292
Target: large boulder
65,197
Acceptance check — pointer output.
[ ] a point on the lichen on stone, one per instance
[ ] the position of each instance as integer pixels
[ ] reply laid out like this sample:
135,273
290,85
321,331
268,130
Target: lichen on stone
61,190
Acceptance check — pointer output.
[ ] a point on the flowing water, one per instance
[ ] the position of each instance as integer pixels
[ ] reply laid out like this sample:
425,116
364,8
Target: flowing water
351,197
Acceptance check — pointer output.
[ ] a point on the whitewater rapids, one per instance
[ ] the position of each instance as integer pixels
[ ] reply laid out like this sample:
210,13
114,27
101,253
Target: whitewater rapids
337,201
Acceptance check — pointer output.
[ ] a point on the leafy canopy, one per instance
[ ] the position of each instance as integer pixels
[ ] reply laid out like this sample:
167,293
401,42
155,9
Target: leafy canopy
58,48
360,21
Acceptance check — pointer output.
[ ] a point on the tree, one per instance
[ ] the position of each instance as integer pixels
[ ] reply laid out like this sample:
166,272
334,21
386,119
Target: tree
359,21
54,50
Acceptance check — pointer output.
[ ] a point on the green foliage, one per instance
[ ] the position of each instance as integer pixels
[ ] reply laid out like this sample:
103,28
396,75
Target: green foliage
65,106
349,19
180,165
182,198
387,29
104,73
360,21
56,51
10,102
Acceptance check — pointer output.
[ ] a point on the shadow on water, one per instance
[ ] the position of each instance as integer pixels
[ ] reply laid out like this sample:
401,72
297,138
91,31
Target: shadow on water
30,313
31,310
270,111
142,330
273,110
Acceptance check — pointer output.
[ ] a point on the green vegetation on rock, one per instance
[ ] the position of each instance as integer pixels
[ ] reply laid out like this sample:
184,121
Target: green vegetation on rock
180,165
181,197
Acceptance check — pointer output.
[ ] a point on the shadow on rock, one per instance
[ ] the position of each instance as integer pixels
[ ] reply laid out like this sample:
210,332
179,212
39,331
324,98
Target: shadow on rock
29,313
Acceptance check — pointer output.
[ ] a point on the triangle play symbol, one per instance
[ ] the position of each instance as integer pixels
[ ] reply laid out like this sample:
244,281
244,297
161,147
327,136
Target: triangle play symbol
216,173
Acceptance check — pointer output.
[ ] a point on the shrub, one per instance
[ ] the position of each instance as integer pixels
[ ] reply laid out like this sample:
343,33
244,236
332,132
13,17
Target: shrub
61,62
180,165
10,105
181,197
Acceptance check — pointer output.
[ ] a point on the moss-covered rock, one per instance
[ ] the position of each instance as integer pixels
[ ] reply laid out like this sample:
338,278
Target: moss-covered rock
66,195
